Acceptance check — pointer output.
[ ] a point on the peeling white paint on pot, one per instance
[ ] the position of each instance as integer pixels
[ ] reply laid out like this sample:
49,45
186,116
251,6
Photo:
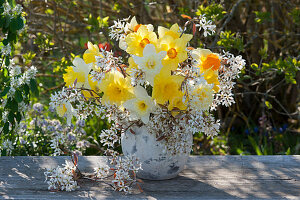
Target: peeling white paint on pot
157,164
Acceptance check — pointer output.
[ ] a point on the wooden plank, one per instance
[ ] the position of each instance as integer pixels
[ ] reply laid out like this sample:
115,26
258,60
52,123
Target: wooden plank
206,177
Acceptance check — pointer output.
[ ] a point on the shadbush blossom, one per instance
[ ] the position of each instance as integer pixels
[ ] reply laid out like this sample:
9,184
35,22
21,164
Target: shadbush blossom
61,178
8,146
37,130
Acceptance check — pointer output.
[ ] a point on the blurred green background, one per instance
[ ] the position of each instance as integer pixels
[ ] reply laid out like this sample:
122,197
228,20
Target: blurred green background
265,118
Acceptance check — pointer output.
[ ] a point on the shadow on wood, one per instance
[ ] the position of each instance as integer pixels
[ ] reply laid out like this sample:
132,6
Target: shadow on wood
204,177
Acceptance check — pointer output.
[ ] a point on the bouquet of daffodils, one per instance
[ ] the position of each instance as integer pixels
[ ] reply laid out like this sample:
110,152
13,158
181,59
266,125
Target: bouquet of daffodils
163,84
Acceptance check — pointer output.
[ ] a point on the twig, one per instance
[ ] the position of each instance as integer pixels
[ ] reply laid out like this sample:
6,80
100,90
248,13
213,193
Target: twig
99,181
272,97
229,17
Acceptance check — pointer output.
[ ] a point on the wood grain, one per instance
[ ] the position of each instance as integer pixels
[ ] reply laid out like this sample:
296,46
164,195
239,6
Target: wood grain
205,177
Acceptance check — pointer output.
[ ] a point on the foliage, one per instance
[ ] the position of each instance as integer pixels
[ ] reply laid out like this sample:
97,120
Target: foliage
213,11
230,41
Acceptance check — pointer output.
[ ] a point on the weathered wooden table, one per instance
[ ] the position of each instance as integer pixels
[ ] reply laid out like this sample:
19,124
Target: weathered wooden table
206,177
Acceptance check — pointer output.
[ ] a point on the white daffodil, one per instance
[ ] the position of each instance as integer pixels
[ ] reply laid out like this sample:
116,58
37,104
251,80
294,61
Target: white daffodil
66,109
82,68
150,63
140,106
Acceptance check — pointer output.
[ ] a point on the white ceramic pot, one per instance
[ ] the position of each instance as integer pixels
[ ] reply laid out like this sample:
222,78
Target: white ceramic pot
157,164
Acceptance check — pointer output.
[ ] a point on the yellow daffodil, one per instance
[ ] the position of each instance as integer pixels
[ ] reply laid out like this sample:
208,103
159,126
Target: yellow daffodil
130,27
206,59
116,88
201,97
133,26
150,62
174,32
132,66
137,41
66,109
79,71
211,77
140,106
177,102
94,87
166,87
90,53
176,51
208,64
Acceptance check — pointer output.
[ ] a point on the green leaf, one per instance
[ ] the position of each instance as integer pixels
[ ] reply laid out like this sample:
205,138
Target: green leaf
7,61
288,152
247,77
255,146
49,11
16,24
18,117
33,87
12,37
13,25
18,96
2,20
11,117
20,23
268,104
4,92
6,128
12,105
5,72
7,21
26,89
254,66
5,42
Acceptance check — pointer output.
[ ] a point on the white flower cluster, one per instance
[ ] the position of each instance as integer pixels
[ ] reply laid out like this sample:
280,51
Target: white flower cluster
56,142
7,10
61,178
129,162
5,50
171,132
66,97
206,25
209,126
119,180
6,145
62,136
104,63
119,29
17,80
137,77
63,99
125,173
228,71
109,137
175,133
102,171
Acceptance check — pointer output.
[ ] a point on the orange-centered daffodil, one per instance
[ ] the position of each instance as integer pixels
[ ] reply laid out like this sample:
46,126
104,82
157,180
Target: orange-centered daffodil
137,41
